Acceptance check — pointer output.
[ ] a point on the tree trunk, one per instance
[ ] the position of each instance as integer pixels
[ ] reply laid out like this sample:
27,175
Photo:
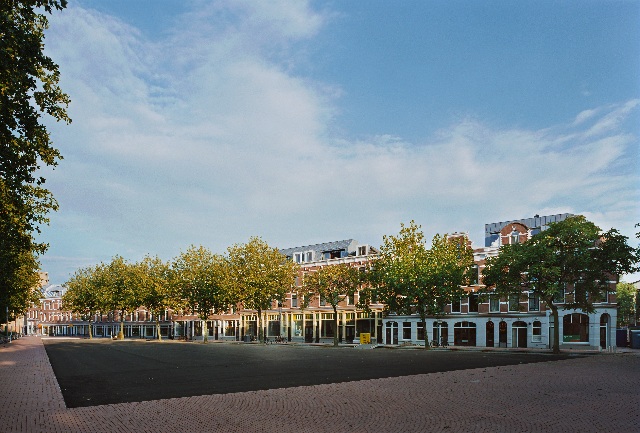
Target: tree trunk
335,326
158,328
121,331
205,332
90,330
259,324
556,329
426,334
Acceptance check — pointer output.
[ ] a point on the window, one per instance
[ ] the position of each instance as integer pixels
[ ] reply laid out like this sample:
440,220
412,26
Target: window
558,297
420,331
515,237
350,299
406,331
362,250
297,257
575,328
604,297
473,302
455,306
537,332
494,304
534,302
474,275
309,256
294,301
323,301
514,302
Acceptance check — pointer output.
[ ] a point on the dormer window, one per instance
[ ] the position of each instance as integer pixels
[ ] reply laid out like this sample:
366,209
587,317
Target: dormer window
515,236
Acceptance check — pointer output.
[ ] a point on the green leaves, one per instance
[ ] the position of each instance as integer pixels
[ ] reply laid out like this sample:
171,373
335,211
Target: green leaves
409,277
572,254
28,89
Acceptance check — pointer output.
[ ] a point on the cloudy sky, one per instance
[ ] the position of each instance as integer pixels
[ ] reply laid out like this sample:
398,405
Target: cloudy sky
207,122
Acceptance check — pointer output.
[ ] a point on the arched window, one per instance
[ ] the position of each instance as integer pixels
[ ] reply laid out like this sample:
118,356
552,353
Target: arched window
576,328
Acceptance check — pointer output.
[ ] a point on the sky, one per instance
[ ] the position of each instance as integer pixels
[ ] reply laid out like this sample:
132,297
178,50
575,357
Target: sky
208,122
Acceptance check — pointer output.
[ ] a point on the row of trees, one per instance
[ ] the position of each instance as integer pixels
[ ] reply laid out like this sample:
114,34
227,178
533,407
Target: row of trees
198,281
28,90
407,277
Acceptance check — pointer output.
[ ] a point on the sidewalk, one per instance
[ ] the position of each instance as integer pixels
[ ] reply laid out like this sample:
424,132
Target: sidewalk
587,394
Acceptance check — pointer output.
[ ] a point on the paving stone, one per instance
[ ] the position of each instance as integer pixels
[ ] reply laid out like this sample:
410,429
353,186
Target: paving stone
587,394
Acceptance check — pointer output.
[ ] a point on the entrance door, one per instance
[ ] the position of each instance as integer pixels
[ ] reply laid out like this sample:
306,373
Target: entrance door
604,330
519,334
502,334
392,333
490,334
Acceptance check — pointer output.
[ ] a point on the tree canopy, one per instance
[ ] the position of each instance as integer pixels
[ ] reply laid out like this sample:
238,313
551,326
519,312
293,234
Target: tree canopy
28,89
333,284
410,278
260,275
572,257
201,283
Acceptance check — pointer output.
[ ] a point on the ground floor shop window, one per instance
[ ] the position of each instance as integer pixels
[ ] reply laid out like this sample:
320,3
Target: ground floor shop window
327,326
296,325
575,328
420,332
464,334
406,331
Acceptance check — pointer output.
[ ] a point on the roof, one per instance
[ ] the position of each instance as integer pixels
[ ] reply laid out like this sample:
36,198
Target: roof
348,245
53,291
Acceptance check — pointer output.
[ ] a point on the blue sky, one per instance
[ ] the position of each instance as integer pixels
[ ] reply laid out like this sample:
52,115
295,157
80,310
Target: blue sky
207,122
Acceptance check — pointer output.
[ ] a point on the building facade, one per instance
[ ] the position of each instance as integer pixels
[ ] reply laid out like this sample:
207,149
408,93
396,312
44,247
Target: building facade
473,320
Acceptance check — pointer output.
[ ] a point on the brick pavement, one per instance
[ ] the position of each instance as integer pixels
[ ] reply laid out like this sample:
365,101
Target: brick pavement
591,394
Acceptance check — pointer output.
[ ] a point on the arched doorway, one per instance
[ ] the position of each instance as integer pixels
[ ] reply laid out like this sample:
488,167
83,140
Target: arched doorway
441,333
490,330
605,320
519,334
502,334
391,333
464,334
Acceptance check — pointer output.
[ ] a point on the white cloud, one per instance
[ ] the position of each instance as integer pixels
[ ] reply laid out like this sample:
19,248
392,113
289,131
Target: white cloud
206,137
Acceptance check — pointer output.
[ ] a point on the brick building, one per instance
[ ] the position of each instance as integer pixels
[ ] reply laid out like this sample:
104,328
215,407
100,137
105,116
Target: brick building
522,321
472,320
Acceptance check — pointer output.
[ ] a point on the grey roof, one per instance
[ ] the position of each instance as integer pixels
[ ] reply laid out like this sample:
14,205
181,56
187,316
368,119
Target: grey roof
536,223
53,291
348,245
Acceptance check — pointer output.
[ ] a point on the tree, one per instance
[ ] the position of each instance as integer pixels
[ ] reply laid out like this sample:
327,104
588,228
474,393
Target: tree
260,275
28,89
333,284
626,298
118,283
408,278
201,283
572,254
83,295
154,289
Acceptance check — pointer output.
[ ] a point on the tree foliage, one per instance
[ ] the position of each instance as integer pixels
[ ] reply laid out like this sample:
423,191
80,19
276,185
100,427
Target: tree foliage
28,89
200,281
119,286
572,256
155,292
627,300
260,275
84,296
333,284
410,278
